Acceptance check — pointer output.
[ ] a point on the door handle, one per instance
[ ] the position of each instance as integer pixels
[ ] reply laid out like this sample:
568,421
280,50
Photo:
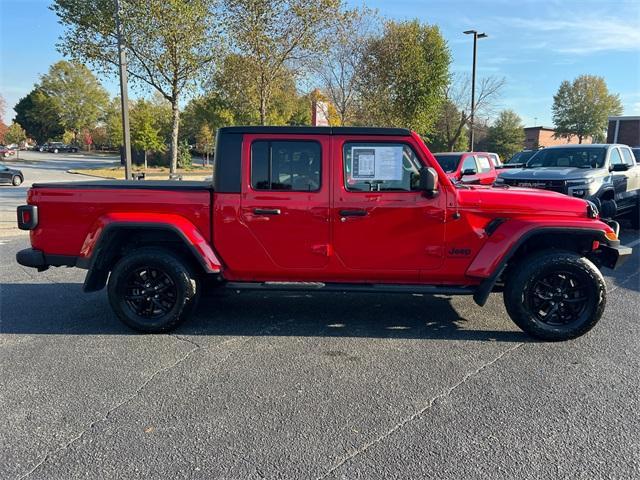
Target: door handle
266,211
353,213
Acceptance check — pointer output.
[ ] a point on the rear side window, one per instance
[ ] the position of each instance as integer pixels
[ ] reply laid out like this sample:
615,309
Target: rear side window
485,167
627,156
470,164
377,167
284,165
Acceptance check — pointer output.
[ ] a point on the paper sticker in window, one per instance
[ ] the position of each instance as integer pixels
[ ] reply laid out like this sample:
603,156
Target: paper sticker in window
376,163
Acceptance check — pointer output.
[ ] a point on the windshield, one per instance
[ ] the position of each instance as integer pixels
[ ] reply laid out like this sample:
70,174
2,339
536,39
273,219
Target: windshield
573,157
449,163
520,157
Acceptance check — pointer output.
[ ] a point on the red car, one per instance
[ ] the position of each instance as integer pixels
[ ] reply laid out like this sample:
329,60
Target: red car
324,208
468,167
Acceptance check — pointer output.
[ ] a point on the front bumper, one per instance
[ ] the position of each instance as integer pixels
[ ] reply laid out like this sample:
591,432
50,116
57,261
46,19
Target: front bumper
30,257
611,256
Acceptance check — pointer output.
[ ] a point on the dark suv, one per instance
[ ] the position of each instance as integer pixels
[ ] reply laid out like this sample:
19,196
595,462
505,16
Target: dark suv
606,174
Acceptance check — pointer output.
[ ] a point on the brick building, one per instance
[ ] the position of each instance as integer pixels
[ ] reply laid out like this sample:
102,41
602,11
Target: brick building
535,137
624,130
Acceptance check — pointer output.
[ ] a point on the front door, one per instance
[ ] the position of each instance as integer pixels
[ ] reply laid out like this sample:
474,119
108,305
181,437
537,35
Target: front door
285,202
384,228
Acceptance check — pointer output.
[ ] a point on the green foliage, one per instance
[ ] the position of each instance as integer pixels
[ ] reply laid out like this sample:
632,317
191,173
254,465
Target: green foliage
170,43
15,134
403,76
581,107
506,136
184,156
68,137
276,40
207,110
76,95
145,135
38,114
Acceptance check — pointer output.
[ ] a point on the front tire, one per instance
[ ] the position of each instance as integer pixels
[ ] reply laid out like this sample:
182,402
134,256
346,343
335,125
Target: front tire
16,181
555,295
153,291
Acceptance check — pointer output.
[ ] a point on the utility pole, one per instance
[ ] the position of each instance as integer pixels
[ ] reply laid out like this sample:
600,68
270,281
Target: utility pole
476,36
124,97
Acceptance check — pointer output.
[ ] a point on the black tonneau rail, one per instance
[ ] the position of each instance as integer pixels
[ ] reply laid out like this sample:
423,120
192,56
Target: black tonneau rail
131,185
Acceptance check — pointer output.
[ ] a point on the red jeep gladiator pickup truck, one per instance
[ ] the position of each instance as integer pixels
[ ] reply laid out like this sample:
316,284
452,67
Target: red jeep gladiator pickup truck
325,208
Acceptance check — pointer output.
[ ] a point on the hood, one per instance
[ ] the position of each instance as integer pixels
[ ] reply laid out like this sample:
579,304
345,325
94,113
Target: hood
515,200
548,173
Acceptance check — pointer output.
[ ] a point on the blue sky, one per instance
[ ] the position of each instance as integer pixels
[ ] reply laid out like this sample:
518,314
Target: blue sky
534,45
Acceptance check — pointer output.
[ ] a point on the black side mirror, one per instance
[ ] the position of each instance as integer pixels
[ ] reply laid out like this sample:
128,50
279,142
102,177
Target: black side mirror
469,171
429,181
619,167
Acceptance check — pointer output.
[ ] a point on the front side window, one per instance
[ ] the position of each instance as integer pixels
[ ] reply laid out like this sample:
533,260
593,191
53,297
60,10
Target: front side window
285,165
470,164
615,157
374,167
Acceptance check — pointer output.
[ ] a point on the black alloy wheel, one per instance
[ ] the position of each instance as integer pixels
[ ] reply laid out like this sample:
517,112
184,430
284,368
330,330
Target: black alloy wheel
150,292
555,295
558,298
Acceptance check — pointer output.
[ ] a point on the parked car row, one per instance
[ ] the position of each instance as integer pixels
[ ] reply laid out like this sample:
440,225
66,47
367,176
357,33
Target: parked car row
608,175
56,147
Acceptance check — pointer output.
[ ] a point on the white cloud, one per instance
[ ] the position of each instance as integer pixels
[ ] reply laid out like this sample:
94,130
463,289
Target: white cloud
579,33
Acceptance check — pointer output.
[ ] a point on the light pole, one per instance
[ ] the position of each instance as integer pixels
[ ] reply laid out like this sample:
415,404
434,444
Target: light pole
476,36
124,97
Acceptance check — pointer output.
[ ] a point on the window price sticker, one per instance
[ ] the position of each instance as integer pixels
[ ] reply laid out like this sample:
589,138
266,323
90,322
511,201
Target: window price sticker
376,163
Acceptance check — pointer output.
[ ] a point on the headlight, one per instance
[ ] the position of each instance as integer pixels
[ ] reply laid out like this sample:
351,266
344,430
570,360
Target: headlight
580,183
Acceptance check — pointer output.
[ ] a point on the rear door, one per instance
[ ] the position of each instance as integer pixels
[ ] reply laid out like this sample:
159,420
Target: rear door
623,195
285,200
384,228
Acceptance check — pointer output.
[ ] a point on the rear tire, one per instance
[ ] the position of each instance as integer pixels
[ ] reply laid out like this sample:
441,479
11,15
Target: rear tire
153,291
555,295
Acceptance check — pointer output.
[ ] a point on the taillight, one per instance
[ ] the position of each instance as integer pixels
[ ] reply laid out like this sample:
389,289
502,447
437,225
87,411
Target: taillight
27,217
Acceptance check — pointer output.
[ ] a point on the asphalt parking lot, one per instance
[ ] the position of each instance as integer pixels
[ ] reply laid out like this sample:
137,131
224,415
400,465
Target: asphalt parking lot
311,387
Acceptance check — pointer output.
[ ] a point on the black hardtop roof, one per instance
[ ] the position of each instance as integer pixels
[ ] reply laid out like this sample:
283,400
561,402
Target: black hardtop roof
318,130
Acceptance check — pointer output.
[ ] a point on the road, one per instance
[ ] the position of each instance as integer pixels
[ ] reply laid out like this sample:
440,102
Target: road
310,386
41,167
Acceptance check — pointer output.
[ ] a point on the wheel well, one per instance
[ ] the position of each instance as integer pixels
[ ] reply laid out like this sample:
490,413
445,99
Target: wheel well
608,195
580,243
118,242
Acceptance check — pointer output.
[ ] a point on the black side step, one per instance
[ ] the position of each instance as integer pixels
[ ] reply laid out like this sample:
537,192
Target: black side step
352,287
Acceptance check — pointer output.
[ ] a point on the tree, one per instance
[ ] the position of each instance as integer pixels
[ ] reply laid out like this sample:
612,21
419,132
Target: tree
77,95
145,135
3,126
581,107
15,134
506,136
454,118
236,96
403,76
208,110
277,39
38,114
449,132
170,44
205,142
339,70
